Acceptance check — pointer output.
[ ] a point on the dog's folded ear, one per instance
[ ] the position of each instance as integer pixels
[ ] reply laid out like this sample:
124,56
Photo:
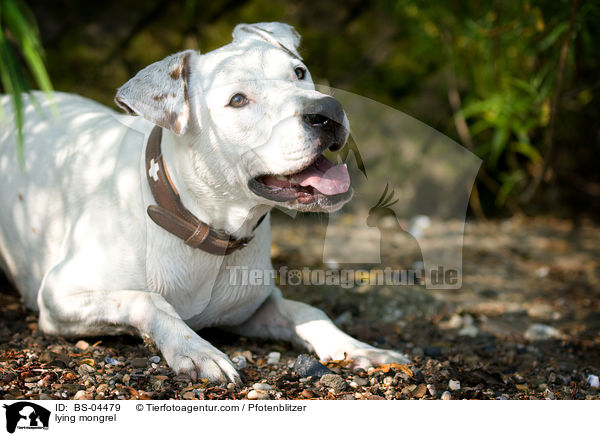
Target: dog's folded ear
159,92
280,35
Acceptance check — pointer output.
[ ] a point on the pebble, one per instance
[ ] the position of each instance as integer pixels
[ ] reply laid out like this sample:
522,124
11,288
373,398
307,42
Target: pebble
446,395
190,395
431,390
353,385
360,381
126,378
46,356
334,381
111,361
593,381
258,395
155,359
82,395
454,385
541,332
139,362
542,272
433,351
273,358
84,369
82,345
45,397
307,366
307,393
455,321
262,387
239,362
230,386
549,395
420,391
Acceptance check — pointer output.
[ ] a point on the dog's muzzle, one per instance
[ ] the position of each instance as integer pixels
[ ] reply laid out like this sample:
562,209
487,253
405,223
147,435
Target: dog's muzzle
321,185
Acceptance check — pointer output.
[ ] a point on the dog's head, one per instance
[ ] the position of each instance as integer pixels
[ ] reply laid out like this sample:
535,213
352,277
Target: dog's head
249,110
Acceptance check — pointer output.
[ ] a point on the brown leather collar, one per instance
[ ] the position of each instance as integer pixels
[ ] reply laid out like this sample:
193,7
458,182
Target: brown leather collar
170,213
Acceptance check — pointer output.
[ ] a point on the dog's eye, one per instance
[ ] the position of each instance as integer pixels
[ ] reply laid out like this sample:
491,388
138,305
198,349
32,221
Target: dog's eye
238,100
300,73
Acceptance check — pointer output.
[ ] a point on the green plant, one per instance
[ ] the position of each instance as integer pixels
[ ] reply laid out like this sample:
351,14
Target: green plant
19,35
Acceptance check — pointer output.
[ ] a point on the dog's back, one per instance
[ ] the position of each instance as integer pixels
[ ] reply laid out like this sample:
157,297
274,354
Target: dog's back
71,152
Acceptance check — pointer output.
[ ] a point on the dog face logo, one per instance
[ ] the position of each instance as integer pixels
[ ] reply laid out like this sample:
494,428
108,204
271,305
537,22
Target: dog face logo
26,415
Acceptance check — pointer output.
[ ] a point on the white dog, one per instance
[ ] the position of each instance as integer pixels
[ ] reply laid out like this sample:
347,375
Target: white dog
117,225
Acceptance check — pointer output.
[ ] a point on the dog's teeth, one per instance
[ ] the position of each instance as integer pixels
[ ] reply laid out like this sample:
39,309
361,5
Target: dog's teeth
282,178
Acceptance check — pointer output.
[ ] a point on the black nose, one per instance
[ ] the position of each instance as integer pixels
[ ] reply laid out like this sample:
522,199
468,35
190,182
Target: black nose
319,113
316,120
327,115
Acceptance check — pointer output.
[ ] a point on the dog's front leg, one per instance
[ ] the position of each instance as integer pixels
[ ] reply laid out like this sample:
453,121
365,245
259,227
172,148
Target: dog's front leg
81,313
280,318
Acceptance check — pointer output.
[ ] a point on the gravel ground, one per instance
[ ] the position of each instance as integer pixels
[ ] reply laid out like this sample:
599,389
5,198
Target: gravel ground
525,325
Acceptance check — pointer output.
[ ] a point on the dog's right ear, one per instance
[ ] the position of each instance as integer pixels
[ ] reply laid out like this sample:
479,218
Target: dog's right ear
159,92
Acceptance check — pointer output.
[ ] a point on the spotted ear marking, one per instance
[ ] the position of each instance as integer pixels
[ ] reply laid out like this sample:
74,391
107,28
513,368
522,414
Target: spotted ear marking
159,93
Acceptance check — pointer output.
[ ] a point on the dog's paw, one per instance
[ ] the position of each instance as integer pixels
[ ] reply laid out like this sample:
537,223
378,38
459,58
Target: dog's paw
202,360
373,357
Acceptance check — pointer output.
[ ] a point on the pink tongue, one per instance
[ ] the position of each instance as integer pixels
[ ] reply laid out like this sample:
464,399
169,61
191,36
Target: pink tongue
325,177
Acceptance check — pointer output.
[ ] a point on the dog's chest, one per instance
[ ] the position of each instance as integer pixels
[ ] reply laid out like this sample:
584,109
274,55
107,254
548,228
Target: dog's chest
203,288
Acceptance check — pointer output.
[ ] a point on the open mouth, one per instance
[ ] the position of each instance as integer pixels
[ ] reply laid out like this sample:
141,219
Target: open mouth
320,182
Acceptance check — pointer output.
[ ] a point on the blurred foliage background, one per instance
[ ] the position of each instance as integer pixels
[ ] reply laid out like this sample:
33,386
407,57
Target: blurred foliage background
515,81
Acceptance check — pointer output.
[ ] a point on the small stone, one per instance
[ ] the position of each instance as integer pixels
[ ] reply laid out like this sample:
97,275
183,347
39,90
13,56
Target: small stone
542,271
541,332
239,362
307,366
155,359
469,330
454,385
84,369
139,362
420,391
102,388
182,378
431,390
111,361
190,395
45,397
522,388
307,393
126,378
273,358
46,356
45,381
593,381
446,395
334,381
549,395
455,321
258,395
262,387
230,386
82,345
353,385
387,381
434,352
82,395
360,381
